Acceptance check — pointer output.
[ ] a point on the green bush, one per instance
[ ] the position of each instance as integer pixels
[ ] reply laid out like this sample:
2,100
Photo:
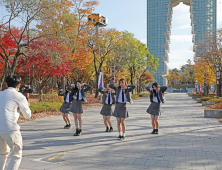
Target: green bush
134,96
39,107
53,97
205,98
144,94
216,100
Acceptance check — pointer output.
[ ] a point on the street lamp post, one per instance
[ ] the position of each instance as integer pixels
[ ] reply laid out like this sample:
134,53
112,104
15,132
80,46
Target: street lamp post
113,74
205,84
196,86
218,80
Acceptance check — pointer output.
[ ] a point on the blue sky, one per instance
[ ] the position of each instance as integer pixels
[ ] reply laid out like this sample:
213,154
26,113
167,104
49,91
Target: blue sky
131,15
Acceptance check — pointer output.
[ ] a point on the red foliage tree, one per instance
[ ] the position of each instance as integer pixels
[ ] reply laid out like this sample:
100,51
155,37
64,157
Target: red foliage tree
44,61
8,49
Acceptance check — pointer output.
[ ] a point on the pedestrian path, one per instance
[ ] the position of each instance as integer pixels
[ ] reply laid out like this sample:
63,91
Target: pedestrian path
186,140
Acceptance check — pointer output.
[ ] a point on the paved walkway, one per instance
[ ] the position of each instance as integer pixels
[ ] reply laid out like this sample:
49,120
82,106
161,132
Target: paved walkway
186,141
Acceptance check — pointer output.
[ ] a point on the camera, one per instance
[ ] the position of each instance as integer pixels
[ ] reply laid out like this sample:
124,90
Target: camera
25,89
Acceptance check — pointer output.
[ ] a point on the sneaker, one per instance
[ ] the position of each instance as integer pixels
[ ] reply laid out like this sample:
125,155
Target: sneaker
153,132
111,129
123,137
119,138
66,126
156,131
69,126
77,132
80,132
107,129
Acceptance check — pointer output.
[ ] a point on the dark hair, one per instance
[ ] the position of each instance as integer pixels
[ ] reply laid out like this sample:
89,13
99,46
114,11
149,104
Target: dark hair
75,89
122,79
154,91
155,84
13,81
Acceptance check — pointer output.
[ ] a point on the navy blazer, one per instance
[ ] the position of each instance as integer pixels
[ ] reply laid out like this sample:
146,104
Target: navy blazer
65,94
104,96
161,93
83,92
130,87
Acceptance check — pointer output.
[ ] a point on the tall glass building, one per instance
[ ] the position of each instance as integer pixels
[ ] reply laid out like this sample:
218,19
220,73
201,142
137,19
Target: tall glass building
159,17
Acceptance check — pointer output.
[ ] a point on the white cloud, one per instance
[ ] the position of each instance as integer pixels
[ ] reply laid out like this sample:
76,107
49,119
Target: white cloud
180,38
144,41
177,65
183,27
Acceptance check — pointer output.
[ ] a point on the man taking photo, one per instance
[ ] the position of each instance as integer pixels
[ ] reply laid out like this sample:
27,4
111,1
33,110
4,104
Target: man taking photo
11,104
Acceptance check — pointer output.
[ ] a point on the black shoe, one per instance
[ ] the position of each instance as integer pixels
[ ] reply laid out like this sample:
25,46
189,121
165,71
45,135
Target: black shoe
66,126
156,131
123,137
69,126
80,132
77,132
153,132
107,129
111,129
119,138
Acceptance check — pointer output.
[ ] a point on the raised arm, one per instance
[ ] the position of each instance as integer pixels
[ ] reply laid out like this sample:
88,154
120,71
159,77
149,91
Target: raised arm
101,90
131,87
163,88
148,88
24,107
113,86
88,87
61,94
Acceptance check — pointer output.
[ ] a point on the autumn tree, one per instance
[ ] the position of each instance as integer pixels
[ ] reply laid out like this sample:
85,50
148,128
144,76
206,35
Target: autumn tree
45,59
173,76
138,60
210,50
202,70
101,44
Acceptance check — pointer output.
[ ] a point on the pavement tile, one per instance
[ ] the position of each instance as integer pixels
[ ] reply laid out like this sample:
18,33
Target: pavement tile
186,140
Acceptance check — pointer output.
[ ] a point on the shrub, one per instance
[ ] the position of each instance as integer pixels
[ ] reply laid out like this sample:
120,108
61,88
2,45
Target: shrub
134,96
216,100
205,98
39,107
144,94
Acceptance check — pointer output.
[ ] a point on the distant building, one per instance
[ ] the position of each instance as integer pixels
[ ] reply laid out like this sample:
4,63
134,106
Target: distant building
159,17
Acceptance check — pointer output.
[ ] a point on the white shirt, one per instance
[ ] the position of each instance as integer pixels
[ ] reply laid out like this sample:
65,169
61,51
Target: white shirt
67,97
155,98
107,98
10,100
80,95
120,97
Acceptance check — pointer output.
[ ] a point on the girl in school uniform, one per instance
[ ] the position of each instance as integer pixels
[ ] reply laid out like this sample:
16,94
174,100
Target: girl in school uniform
79,95
65,108
156,98
122,97
107,110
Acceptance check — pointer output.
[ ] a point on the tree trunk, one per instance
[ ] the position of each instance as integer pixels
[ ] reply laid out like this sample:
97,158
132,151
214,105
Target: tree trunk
131,76
40,91
97,79
2,82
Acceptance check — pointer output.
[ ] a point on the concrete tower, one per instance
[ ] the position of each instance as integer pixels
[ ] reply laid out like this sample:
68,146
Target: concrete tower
159,17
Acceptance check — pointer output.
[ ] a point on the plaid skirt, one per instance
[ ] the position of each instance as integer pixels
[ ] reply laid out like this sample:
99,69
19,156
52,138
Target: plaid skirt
107,110
121,110
65,108
154,109
76,106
